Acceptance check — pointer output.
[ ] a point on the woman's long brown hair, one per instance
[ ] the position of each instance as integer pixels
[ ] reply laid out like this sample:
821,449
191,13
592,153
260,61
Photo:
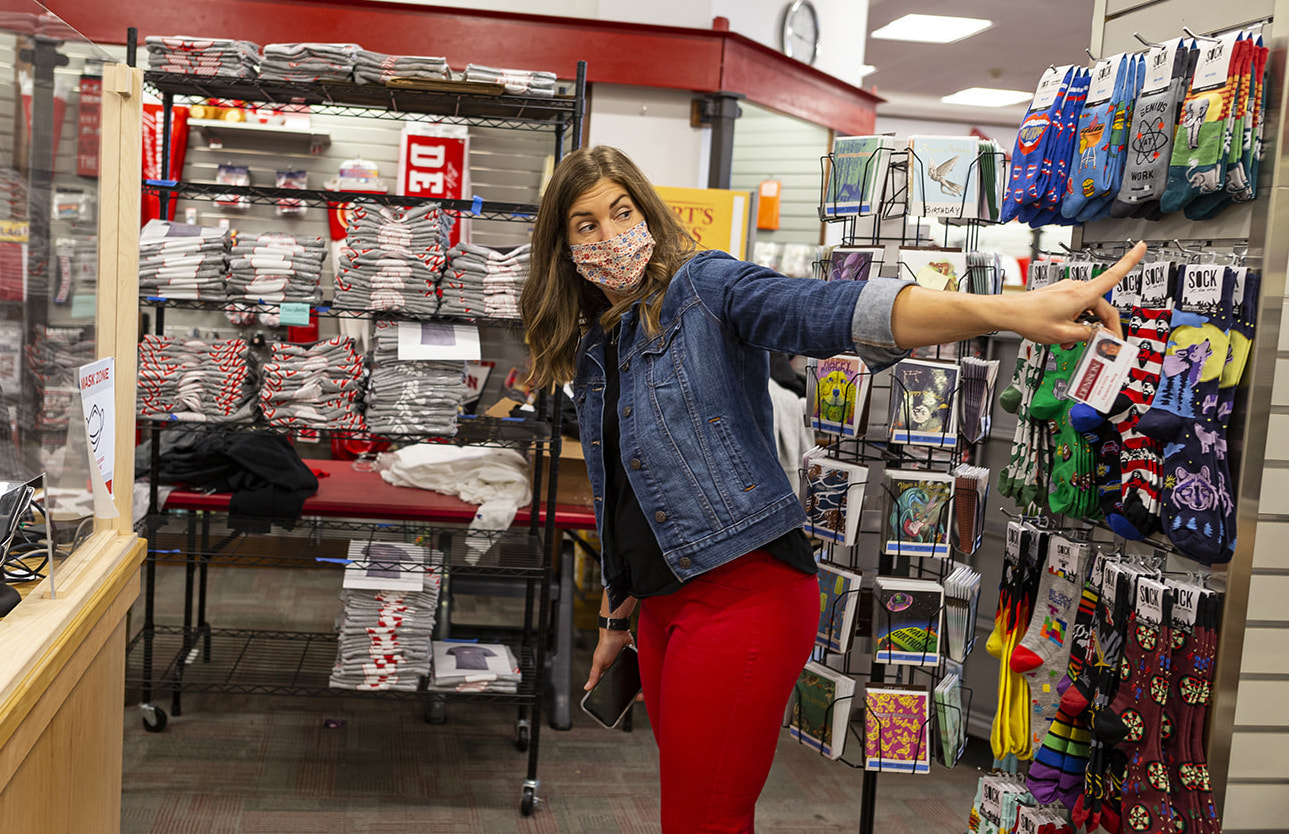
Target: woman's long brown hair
557,303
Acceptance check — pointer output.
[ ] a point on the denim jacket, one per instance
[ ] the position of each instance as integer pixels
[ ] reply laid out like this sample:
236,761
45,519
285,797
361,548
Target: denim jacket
696,420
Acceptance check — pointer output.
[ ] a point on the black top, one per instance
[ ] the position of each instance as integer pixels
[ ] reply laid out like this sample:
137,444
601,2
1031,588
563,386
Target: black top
626,533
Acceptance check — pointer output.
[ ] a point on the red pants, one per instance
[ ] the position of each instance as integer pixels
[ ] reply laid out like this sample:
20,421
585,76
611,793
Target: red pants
718,661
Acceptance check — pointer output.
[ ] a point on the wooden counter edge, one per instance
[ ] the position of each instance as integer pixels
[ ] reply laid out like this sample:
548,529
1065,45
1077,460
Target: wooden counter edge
42,637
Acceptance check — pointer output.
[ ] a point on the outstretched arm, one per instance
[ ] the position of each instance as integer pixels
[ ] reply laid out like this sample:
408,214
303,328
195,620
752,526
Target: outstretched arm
1048,316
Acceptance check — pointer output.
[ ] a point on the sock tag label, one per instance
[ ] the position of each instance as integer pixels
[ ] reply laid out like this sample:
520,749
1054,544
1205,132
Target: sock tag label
1150,602
1127,293
1154,284
1049,86
1214,62
1104,74
1102,370
1063,559
1079,272
1159,67
1202,288
1185,604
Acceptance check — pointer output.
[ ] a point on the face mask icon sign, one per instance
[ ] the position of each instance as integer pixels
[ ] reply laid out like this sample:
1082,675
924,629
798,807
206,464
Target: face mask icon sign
94,426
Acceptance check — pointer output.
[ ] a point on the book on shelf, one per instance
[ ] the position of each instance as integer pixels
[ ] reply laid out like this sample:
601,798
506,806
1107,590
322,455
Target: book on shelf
897,735
944,176
839,598
935,269
837,392
819,713
923,403
832,493
385,566
856,174
918,517
907,621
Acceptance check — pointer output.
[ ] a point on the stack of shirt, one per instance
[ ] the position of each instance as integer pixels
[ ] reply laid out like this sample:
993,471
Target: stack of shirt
393,259
219,57
54,357
411,396
313,387
377,67
474,667
177,260
481,280
194,381
275,268
385,638
516,82
309,61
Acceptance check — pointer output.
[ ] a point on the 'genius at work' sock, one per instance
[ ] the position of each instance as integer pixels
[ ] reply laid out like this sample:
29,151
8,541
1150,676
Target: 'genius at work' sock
1150,139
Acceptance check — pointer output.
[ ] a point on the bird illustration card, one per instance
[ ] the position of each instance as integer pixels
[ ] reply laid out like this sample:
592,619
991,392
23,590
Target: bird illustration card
907,621
833,497
924,396
837,393
897,734
935,269
919,512
855,174
944,176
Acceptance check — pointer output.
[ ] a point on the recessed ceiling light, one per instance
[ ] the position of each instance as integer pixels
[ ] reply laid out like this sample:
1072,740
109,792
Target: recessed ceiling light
987,97
931,28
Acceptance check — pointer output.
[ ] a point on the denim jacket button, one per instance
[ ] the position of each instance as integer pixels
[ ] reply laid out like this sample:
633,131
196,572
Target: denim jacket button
626,366
635,463
684,563
660,516
626,412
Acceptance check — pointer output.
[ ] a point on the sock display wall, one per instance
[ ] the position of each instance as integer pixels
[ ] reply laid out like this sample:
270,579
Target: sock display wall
1110,609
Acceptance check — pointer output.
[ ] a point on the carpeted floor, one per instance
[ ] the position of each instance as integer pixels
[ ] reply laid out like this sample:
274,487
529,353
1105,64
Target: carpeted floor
280,765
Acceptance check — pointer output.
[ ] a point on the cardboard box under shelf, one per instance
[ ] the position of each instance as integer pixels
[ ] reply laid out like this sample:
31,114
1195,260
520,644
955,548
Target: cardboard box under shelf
574,485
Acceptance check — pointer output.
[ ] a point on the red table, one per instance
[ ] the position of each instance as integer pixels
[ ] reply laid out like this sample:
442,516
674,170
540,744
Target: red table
346,492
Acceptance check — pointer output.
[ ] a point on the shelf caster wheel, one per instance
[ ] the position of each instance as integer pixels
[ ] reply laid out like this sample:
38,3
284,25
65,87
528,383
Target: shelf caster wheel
522,735
154,718
436,711
529,799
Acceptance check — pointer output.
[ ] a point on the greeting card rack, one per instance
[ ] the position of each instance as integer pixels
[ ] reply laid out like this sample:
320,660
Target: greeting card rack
198,655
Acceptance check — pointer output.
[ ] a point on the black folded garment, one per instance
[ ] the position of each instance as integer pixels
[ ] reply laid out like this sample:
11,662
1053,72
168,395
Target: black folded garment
268,479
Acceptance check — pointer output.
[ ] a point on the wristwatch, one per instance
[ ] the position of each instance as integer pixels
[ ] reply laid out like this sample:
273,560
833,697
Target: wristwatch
616,623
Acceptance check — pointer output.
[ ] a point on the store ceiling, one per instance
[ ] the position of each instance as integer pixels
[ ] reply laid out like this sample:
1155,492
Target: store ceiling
1023,41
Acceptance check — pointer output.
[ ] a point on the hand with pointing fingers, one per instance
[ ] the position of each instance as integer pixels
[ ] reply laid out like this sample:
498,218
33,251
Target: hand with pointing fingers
1055,314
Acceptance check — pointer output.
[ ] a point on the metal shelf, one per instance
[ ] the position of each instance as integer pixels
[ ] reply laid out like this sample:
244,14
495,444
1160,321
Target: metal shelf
512,553
471,430
256,662
213,128
451,102
320,310
269,196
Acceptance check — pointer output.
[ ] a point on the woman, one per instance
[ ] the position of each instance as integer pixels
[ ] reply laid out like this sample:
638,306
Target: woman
666,348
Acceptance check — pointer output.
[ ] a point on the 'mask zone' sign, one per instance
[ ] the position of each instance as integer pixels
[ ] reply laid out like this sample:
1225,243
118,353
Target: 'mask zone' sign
434,162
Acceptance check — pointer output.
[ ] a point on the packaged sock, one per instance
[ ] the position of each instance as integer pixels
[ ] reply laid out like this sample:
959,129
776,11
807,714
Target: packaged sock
1192,170
1231,148
1150,137
1096,122
1034,141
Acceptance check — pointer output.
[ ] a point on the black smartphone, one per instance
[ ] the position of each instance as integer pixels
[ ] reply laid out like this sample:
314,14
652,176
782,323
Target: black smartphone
608,701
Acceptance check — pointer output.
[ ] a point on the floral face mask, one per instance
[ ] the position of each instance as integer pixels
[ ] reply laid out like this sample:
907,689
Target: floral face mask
618,263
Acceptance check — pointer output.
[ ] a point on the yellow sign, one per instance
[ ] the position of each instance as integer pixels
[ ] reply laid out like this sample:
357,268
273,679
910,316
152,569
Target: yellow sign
717,218
13,231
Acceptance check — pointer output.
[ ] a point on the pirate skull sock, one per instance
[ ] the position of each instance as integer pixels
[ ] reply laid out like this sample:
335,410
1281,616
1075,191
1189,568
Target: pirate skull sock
1150,137
1096,124
1193,168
